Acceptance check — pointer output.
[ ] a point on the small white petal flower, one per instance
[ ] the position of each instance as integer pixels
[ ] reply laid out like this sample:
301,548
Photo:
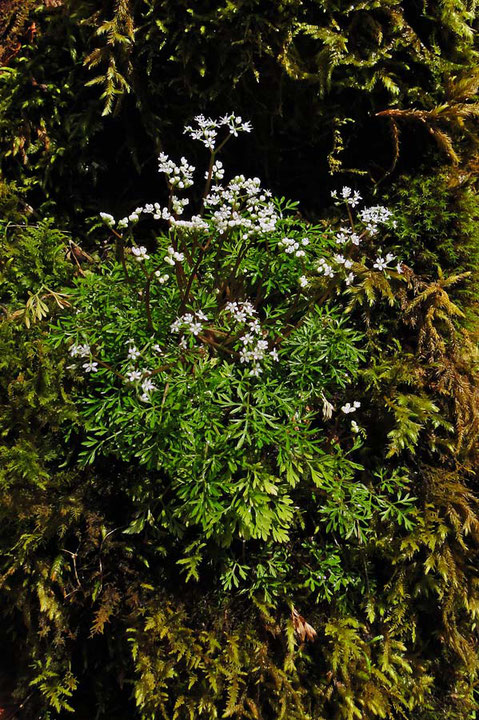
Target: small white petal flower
380,263
133,353
348,408
108,219
90,366
140,253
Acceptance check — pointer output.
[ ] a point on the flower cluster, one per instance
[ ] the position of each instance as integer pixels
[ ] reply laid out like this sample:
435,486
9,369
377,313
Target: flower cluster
324,268
140,253
206,130
180,176
351,407
241,311
217,171
345,235
147,386
174,256
381,263
162,277
242,204
254,347
347,195
84,351
291,246
189,322
374,216
81,351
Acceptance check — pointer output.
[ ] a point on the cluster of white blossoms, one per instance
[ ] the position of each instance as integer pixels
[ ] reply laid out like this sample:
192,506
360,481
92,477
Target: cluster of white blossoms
179,204
180,176
351,407
190,322
323,268
206,130
382,263
140,253
241,311
194,224
345,235
255,347
136,375
374,216
291,246
341,260
173,256
243,204
83,352
217,171
147,386
80,351
162,277
347,195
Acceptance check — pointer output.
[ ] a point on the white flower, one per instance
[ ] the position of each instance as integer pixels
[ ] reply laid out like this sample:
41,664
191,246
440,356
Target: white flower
399,268
80,350
217,171
108,219
274,355
140,253
355,199
205,132
303,281
180,176
343,235
354,426
195,328
179,204
235,124
348,408
380,264
133,353
162,279
148,385
157,349
349,278
90,366
374,216
340,259
133,375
